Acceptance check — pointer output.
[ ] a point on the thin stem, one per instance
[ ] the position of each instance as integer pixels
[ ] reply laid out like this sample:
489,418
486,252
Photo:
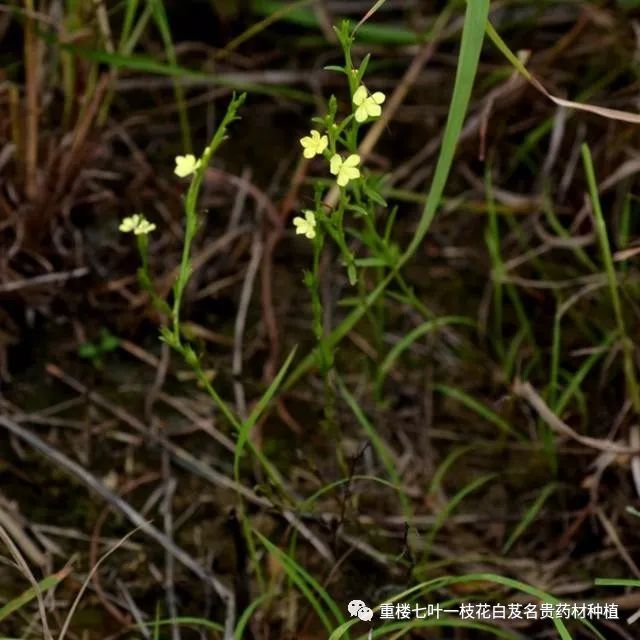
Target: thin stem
605,249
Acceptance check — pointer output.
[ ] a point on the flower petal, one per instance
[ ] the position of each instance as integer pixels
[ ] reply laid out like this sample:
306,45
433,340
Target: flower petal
144,228
378,97
352,161
361,113
335,164
374,110
360,95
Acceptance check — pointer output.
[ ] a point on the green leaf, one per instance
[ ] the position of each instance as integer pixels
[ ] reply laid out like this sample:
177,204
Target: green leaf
31,594
307,585
476,406
529,516
375,33
109,342
374,194
262,404
363,67
87,350
411,337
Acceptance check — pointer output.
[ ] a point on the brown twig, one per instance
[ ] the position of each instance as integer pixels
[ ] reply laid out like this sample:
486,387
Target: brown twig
93,548
22,540
240,322
272,237
90,481
190,462
26,571
528,393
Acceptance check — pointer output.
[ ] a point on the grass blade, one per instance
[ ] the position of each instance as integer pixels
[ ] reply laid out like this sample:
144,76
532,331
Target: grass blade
31,594
529,516
243,621
247,425
146,64
442,516
476,406
379,446
411,337
160,17
379,34
605,249
182,621
306,583
470,48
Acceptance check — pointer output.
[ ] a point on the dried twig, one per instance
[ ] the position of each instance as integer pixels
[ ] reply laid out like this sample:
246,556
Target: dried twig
93,548
22,540
241,319
85,584
135,610
615,538
167,512
24,568
528,393
74,469
191,463
45,279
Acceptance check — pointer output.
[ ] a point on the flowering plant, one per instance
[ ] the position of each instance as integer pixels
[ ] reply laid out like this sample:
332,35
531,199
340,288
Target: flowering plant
347,207
355,191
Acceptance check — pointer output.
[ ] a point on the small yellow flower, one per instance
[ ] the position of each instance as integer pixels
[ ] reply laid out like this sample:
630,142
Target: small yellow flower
137,224
368,106
306,226
314,144
186,165
345,170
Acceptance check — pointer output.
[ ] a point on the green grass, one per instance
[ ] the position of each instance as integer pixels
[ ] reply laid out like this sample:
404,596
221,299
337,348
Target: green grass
434,585
27,596
314,593
612,280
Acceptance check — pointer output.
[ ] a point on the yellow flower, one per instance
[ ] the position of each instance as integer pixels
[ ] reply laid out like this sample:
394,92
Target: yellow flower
186,165
306,226
368,106
314,144
137,224
345,169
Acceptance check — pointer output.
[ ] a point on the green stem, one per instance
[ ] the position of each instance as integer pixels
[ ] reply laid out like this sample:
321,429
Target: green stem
605,249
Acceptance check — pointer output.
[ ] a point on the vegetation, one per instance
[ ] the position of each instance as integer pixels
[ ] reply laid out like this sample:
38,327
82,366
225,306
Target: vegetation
317,319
